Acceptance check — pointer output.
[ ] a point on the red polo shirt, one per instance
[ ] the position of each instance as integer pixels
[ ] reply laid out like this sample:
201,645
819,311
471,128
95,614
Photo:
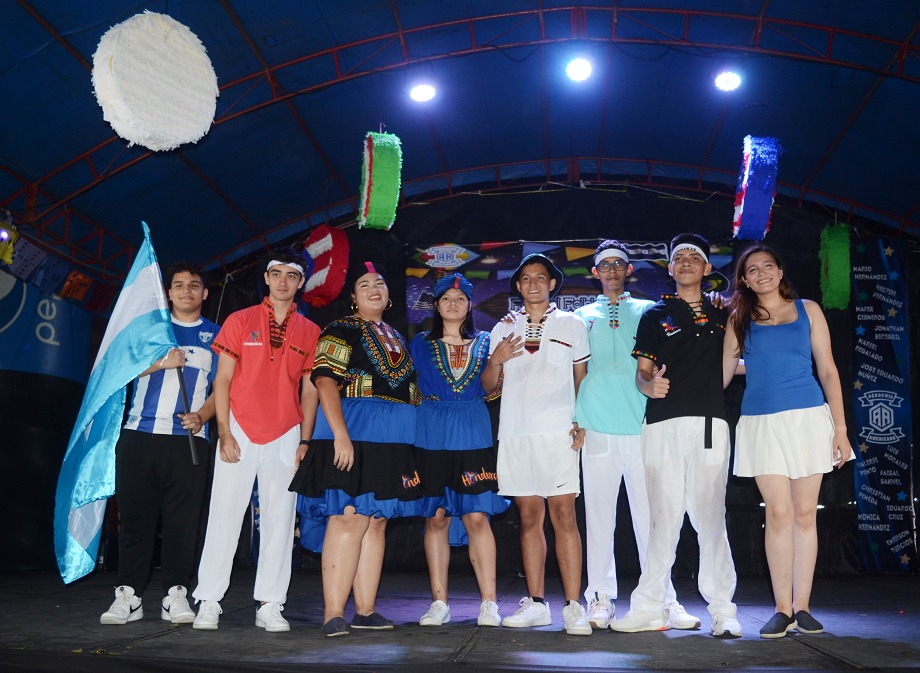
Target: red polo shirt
265,389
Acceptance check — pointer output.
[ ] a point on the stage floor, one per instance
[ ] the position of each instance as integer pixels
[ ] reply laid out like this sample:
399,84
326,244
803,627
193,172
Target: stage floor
871,622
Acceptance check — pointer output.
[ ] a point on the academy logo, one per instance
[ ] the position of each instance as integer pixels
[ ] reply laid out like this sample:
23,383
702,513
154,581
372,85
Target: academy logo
205,337
881,429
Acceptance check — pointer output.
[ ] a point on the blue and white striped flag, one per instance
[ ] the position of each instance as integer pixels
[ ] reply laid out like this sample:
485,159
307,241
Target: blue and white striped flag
138,334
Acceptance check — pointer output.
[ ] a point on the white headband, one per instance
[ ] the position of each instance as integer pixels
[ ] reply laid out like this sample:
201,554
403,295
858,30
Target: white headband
610,252
293,265
688,246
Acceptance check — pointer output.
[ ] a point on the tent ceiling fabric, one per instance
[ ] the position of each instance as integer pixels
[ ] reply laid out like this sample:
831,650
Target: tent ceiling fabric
302,82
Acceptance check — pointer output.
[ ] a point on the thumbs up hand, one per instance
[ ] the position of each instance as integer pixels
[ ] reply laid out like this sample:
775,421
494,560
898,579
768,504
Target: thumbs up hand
658,387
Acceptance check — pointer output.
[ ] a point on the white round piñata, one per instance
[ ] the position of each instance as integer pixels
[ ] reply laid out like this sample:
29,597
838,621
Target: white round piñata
154,82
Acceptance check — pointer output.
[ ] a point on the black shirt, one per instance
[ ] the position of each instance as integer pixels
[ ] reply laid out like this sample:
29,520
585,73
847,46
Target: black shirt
670,334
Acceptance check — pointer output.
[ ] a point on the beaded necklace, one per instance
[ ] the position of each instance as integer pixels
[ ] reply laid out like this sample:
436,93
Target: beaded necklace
613,318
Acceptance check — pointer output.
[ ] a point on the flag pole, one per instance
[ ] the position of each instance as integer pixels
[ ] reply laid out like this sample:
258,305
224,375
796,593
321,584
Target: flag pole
184,396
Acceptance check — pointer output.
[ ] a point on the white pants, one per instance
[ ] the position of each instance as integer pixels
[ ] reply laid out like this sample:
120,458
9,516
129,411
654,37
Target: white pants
683,476
605,460
273,465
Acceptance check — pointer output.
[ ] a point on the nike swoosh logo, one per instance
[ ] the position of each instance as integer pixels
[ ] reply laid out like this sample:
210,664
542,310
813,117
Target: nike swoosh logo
133,610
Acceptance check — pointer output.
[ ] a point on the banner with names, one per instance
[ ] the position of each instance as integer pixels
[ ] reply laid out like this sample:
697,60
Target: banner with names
882,408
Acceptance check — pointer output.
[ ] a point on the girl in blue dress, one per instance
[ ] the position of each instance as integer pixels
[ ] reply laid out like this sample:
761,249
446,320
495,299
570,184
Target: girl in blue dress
457,456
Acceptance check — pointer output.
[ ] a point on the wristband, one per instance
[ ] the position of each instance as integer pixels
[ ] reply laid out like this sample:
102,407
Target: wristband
304,441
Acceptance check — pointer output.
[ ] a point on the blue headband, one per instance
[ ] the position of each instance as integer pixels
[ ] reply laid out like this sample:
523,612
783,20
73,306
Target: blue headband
455,281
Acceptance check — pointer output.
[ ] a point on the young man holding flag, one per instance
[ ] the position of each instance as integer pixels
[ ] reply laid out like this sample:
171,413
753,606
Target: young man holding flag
139,332
154,474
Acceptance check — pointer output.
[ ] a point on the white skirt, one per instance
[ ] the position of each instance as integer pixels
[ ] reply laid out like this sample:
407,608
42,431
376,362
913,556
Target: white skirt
796,443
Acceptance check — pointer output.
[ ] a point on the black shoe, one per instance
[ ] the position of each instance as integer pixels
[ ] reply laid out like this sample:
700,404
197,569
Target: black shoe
335,627
807,623
374,620
778,626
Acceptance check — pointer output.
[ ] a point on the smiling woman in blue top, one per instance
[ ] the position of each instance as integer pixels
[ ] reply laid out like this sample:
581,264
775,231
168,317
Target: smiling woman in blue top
792,430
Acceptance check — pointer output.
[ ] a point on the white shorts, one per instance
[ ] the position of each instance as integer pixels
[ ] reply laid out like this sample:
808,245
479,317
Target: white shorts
796,443
543,465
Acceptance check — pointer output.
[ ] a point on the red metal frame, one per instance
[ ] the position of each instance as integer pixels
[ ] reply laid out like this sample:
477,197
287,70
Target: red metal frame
89,256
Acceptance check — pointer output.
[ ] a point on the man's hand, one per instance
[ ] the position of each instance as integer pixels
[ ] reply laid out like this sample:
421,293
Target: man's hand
658,387
174,358
510,347
229,449
578,437
191,421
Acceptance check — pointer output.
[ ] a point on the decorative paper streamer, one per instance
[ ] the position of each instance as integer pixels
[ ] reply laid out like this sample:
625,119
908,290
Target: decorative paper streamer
328,249
380,180
834,254
756,188
154,82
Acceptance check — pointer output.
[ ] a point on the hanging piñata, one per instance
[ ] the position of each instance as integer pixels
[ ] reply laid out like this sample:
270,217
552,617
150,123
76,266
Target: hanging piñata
756,188
380,180
154,82
834,254
328,248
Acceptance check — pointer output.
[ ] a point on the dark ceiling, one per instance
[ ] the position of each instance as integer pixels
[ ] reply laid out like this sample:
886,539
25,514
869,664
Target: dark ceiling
836,81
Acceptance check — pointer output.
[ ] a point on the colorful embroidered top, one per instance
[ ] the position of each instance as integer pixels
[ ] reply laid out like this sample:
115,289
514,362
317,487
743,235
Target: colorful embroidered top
367,359
448,372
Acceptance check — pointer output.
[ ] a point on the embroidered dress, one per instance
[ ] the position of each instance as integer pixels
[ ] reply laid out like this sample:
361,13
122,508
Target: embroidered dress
371,364
454,431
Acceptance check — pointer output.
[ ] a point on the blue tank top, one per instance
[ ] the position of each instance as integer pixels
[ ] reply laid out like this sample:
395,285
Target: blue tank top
779,370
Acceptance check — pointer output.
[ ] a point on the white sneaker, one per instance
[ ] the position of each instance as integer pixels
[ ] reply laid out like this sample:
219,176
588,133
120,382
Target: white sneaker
126,608
600,612
269,617
635,621
530,613
438,613
208,616
679,618
575,620
726,626
488,614
175,606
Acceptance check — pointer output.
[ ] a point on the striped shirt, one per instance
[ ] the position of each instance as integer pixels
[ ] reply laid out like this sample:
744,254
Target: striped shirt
157,399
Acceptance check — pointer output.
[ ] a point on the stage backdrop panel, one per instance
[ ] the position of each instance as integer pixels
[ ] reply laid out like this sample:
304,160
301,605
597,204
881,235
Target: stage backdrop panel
42,334
882,407
490,265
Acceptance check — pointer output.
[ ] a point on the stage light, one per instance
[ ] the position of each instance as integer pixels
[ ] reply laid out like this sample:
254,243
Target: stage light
578,69
422,93
728,80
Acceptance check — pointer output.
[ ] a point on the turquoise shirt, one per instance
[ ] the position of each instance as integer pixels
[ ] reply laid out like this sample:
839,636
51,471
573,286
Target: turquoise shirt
608,400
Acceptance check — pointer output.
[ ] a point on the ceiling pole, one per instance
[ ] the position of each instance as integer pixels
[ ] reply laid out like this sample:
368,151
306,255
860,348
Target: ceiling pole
56,35
856,112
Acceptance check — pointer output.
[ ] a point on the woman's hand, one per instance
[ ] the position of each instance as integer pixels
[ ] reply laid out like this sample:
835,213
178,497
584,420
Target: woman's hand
344,457
842,448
